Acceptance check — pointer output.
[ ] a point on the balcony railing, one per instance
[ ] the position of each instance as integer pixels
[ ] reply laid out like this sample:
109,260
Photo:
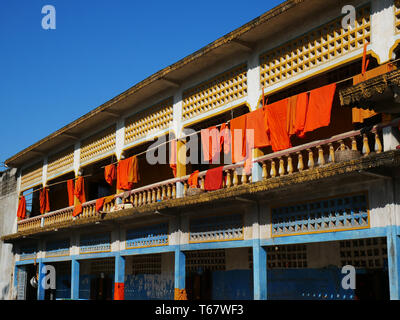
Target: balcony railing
300,158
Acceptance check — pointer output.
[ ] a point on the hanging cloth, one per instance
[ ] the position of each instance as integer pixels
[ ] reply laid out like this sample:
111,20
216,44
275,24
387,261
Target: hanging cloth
127,173
210,140
77,210
275,117
238,138
21,212
44,203
79,190
193,179
225,138
255,122
214,179
300,114
70,189
320,107
110,173
99,204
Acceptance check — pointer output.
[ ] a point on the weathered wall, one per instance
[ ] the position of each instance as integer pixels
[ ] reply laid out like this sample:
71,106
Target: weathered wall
8,208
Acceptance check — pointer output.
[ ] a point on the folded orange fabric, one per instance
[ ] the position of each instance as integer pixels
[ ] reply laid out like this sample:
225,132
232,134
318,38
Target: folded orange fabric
359,114
44,203
301,113
99,204
21,212
110,173
225,138
77,210
127,173
275,115
213,179
238,138
172,156
255,122
193,179
70,189
79,191
319,107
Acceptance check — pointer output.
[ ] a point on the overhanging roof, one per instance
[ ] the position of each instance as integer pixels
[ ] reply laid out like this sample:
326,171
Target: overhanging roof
267,25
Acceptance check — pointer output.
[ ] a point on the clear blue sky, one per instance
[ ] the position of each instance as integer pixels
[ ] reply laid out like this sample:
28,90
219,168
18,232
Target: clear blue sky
49,78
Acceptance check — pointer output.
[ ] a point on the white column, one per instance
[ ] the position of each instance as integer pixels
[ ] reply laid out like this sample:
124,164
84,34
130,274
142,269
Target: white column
120,137
44,171
77,157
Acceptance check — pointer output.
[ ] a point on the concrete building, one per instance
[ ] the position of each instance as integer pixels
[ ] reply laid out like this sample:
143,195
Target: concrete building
285,230
8,207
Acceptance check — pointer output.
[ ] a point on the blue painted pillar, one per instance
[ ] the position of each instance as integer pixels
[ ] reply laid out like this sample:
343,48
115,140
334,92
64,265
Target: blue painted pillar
40,288
259,271
256,171
180,274
119,280
393,253
75,264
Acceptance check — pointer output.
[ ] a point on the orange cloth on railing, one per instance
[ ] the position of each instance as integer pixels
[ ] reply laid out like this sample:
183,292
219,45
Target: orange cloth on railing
172,156
238,138
77,210
291,115
255,122
193,179
210,141
214,179
225,138
127,173
44,203
301,114
79,190
359,114
275,117
320,107
21,212
99,204
70,189
110,173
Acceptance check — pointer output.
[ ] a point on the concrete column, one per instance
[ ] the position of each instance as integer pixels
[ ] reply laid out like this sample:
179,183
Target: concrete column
177,129
180,274
390,138
77,157
119,137
259,271
393,252
75,264
119,278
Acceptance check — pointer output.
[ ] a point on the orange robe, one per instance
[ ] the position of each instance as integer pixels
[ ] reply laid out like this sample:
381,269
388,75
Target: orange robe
255,122
275,117
99,204
44,203
21,213
70,189
193,179
238,138
127,173
320,107
79,191
301,114
225,138
110,174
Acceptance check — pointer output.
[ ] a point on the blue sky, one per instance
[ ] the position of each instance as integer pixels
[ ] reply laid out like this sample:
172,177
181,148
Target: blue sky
49,78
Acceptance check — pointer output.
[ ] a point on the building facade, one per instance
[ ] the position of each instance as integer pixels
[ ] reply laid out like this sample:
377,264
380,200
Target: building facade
282,231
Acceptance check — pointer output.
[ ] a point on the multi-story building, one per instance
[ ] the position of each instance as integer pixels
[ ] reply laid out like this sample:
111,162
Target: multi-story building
286,229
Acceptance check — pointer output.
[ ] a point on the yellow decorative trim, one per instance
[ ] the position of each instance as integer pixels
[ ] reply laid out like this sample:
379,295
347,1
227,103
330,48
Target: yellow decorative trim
314,48
156,118
60,162
214,93
397,16
98,144
32,176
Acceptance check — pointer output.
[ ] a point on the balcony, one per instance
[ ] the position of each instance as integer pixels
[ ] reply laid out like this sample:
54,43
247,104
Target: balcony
298,165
